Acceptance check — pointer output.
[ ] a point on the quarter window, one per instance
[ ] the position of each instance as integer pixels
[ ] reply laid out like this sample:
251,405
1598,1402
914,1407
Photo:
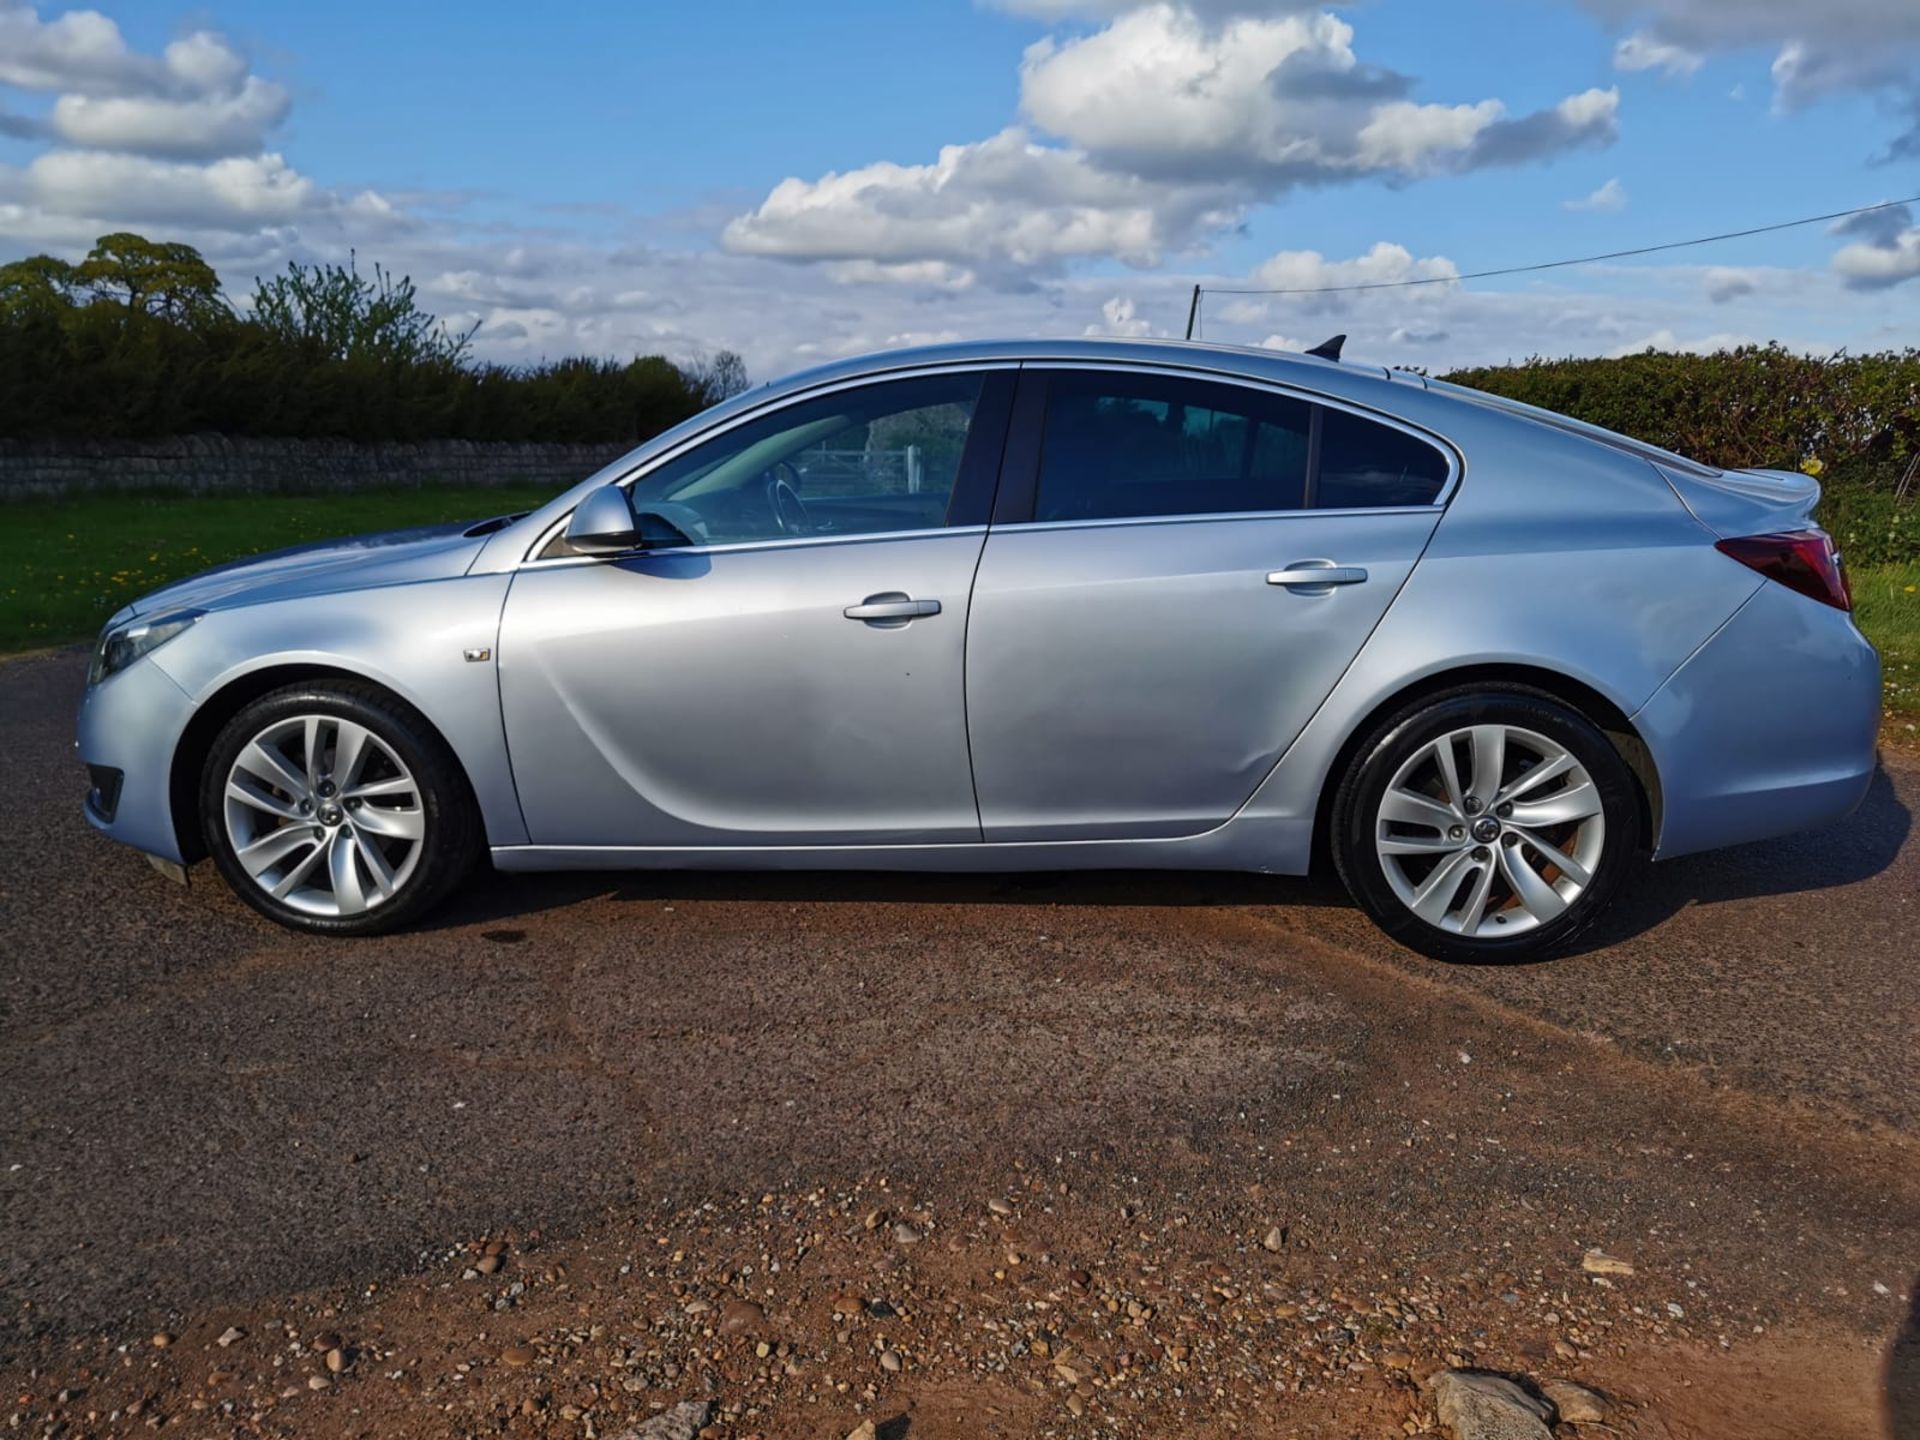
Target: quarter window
1118,445
1364,465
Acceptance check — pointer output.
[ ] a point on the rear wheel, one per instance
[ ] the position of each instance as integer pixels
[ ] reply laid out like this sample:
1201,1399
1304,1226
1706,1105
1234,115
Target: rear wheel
335,808
1488,823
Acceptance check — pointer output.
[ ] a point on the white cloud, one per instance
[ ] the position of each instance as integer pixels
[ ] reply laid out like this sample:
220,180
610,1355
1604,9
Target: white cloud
1119,316
1819,50
1270,101
1665,340
928,274
200,127
1384,264
240,192
1005,202
1644,51
1610,198
1726,282
1885,249
1056,10
1171,123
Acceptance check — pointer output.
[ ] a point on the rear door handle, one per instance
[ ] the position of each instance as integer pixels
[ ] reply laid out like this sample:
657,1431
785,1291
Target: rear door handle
892,605
1304,573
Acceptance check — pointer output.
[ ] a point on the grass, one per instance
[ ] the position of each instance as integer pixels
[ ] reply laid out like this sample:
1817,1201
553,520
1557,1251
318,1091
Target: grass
1886,604
65,565
68,564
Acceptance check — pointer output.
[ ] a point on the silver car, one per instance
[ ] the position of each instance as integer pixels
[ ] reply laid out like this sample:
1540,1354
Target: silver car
1023,606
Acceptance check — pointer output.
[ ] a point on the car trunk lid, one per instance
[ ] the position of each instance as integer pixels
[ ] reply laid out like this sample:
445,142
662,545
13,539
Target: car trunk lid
1747,502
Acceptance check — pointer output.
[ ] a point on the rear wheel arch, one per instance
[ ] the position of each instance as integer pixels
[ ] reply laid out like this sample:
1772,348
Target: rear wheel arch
1608,717
196,741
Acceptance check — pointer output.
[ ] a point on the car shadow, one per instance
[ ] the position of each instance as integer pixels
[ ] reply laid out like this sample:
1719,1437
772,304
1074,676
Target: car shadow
1902,1378
1845,853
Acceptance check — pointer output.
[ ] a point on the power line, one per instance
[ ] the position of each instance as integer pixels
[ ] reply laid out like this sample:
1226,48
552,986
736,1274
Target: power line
1543,265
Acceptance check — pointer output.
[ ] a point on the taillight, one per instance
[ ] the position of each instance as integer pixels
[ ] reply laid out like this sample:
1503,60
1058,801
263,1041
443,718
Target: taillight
1802,560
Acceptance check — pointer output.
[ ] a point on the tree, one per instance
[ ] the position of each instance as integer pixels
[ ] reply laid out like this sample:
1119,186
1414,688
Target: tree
165,278
717,377
336,312
39,285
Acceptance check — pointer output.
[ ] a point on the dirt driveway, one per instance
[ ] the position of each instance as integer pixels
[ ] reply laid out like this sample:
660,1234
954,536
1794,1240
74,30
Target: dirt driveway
1083,1155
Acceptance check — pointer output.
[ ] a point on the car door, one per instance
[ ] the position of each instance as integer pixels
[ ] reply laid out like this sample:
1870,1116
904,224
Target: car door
784,665
1180,568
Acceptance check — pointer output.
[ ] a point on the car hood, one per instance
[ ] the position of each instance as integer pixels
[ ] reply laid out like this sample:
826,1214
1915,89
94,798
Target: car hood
395,557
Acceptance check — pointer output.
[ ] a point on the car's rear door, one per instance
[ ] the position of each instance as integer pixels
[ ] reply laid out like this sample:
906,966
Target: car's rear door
793,673
1148,630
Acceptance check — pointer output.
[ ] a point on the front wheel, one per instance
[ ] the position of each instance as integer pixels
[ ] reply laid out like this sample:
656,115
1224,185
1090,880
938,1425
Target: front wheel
1487,823
336,808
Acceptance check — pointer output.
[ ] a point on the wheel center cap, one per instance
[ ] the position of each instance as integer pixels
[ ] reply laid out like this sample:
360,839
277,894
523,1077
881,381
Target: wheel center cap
1485,830
330,814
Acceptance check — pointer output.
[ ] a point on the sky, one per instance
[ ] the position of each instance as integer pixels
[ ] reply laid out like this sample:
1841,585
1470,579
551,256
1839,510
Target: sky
798,182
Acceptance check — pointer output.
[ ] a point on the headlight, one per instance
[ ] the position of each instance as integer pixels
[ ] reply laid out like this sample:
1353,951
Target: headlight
120,648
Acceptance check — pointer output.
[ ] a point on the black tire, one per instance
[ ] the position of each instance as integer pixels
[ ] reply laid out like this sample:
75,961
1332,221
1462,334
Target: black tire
1356,820
452,838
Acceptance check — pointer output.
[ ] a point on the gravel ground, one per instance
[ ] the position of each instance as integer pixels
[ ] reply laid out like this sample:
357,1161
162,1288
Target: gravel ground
1070,1155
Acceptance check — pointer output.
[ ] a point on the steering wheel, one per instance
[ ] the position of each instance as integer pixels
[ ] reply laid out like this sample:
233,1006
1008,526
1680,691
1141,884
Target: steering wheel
783,499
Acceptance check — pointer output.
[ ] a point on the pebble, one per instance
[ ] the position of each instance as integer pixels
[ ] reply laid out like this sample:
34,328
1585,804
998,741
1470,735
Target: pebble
682,1422
1000,1207
318,1382
518,1356
336,1359
489,1264
737,1316
1576,1403
890,1361
326,1340
1276,1239
231,1335
863,1431
161,1340
905,1234
1598,1262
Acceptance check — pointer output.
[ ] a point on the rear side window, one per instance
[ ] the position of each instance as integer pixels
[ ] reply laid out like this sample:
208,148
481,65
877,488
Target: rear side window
1364,465
1119,446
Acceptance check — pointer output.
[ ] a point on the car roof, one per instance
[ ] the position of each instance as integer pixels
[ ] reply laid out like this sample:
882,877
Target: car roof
1306,370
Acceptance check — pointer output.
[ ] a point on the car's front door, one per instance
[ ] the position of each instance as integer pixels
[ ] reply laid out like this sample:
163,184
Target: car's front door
787,666
1187,567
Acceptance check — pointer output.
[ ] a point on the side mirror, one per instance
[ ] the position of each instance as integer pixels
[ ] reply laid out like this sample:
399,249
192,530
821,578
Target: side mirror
604,523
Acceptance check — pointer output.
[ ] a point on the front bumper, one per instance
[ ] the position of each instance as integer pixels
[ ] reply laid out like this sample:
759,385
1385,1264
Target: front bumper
1770,727
132,723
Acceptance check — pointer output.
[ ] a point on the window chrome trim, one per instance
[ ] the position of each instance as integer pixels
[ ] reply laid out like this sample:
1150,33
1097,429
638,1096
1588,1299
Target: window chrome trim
1454,456
1223,517
788,542
759,412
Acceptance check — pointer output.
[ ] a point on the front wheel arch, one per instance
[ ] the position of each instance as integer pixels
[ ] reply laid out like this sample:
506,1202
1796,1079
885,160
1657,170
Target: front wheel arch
196,741
1610,719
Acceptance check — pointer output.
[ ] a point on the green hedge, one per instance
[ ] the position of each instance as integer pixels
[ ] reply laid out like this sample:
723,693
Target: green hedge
1760,406
1852,419
100,370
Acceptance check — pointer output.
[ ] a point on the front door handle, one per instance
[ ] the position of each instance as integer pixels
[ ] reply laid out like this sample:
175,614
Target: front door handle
1303,574
891,607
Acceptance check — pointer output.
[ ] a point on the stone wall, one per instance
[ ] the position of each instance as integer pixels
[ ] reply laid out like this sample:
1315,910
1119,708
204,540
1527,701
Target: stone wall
216,464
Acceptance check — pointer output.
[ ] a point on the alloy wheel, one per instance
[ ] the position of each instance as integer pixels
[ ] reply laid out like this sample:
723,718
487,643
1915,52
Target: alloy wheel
1490,831
324,816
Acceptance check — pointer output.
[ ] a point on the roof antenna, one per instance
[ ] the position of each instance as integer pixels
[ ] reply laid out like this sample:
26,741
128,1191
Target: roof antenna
1329,349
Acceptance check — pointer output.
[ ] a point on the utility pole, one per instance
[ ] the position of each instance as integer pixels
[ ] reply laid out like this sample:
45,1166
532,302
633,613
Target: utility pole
1193,312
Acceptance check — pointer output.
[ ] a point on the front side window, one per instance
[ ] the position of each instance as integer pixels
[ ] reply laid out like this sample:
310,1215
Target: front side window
866,461
1118,446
